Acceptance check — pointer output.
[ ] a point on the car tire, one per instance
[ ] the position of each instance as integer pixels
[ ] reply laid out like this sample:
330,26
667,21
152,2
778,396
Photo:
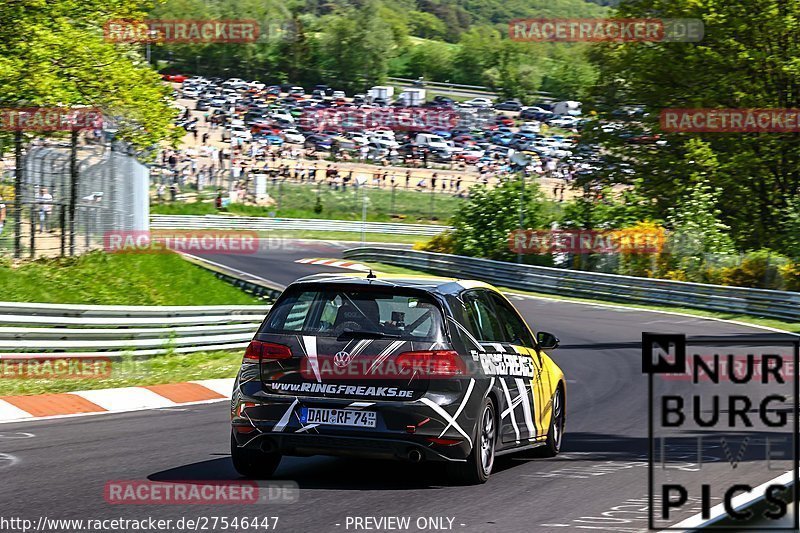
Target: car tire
253,464
478,467
555,433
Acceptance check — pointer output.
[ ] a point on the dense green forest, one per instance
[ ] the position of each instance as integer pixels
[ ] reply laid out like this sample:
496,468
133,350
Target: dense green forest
356,43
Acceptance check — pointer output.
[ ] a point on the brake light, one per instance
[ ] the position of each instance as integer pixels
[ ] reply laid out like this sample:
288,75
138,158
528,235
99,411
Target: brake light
444,442
432,364
265,352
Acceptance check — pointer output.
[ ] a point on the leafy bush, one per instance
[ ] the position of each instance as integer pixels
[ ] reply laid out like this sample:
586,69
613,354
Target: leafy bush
760,269
443,243
790,273
483,224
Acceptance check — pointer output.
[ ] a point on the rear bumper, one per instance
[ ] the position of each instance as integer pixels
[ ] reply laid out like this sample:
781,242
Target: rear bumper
409,430
344,446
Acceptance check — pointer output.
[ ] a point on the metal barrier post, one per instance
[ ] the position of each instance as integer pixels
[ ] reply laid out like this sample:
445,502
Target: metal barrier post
33,230
63,223
87,216
18,194
73,195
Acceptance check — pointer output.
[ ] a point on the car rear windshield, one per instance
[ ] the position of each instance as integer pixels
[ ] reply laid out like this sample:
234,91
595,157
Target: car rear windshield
357,312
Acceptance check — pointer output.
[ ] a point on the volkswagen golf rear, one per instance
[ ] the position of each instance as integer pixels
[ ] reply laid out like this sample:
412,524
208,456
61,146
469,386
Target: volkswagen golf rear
369,368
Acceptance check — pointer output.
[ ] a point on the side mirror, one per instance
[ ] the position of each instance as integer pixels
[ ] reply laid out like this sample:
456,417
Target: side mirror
547,341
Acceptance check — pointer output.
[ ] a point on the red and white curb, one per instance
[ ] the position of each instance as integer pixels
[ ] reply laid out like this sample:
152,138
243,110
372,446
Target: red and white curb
124,399
338,263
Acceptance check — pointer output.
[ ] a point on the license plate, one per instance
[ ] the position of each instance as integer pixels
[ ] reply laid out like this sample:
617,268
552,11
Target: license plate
338,417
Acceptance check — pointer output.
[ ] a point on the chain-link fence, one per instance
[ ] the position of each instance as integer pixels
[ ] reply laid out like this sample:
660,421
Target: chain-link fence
48,212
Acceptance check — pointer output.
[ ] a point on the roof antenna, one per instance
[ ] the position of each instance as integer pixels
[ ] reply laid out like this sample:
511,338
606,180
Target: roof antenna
371,274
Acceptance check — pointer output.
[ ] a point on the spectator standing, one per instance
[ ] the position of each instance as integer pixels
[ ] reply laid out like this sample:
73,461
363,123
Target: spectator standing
2,214
45,210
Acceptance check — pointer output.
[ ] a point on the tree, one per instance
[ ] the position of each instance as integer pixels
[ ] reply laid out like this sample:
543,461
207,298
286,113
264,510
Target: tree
355,46
570,74
432,61
63,59
477,51
483,225
746,59
426,25
698,234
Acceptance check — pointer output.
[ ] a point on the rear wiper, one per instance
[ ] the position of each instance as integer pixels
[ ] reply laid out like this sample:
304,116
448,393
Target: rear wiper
367,334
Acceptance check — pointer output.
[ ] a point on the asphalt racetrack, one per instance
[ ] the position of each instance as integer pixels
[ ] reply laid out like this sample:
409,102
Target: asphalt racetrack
58,468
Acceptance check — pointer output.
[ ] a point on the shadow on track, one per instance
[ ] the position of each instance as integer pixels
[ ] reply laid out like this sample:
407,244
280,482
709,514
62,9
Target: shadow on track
320,472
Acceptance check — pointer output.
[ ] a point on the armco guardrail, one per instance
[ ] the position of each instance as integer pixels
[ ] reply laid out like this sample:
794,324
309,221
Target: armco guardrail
735,300
169,222
36,330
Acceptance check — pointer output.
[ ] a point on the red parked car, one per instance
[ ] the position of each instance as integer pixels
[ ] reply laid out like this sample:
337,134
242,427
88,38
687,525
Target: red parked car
177,78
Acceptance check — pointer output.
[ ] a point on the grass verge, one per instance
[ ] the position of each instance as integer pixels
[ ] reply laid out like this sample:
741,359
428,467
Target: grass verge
130,372
351,236
117,279
298,201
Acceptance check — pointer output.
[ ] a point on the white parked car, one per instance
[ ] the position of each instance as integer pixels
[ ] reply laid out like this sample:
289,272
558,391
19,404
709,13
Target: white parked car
435,142
357,137
565,122
382,134
530,127
338,94
472,151
257,85
241,132
389,144
293,136
235,83
480,102
190,92
282,115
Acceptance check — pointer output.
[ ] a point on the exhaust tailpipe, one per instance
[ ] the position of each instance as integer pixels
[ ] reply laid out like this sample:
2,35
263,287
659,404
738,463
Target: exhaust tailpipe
414,456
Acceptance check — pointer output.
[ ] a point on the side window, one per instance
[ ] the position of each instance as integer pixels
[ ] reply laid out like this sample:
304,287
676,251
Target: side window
481,317
514,329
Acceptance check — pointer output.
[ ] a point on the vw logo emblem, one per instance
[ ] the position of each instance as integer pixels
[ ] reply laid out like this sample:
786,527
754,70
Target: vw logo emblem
342,359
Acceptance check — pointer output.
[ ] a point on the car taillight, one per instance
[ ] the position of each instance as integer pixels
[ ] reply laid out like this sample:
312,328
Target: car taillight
444,442
265,352
432,364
